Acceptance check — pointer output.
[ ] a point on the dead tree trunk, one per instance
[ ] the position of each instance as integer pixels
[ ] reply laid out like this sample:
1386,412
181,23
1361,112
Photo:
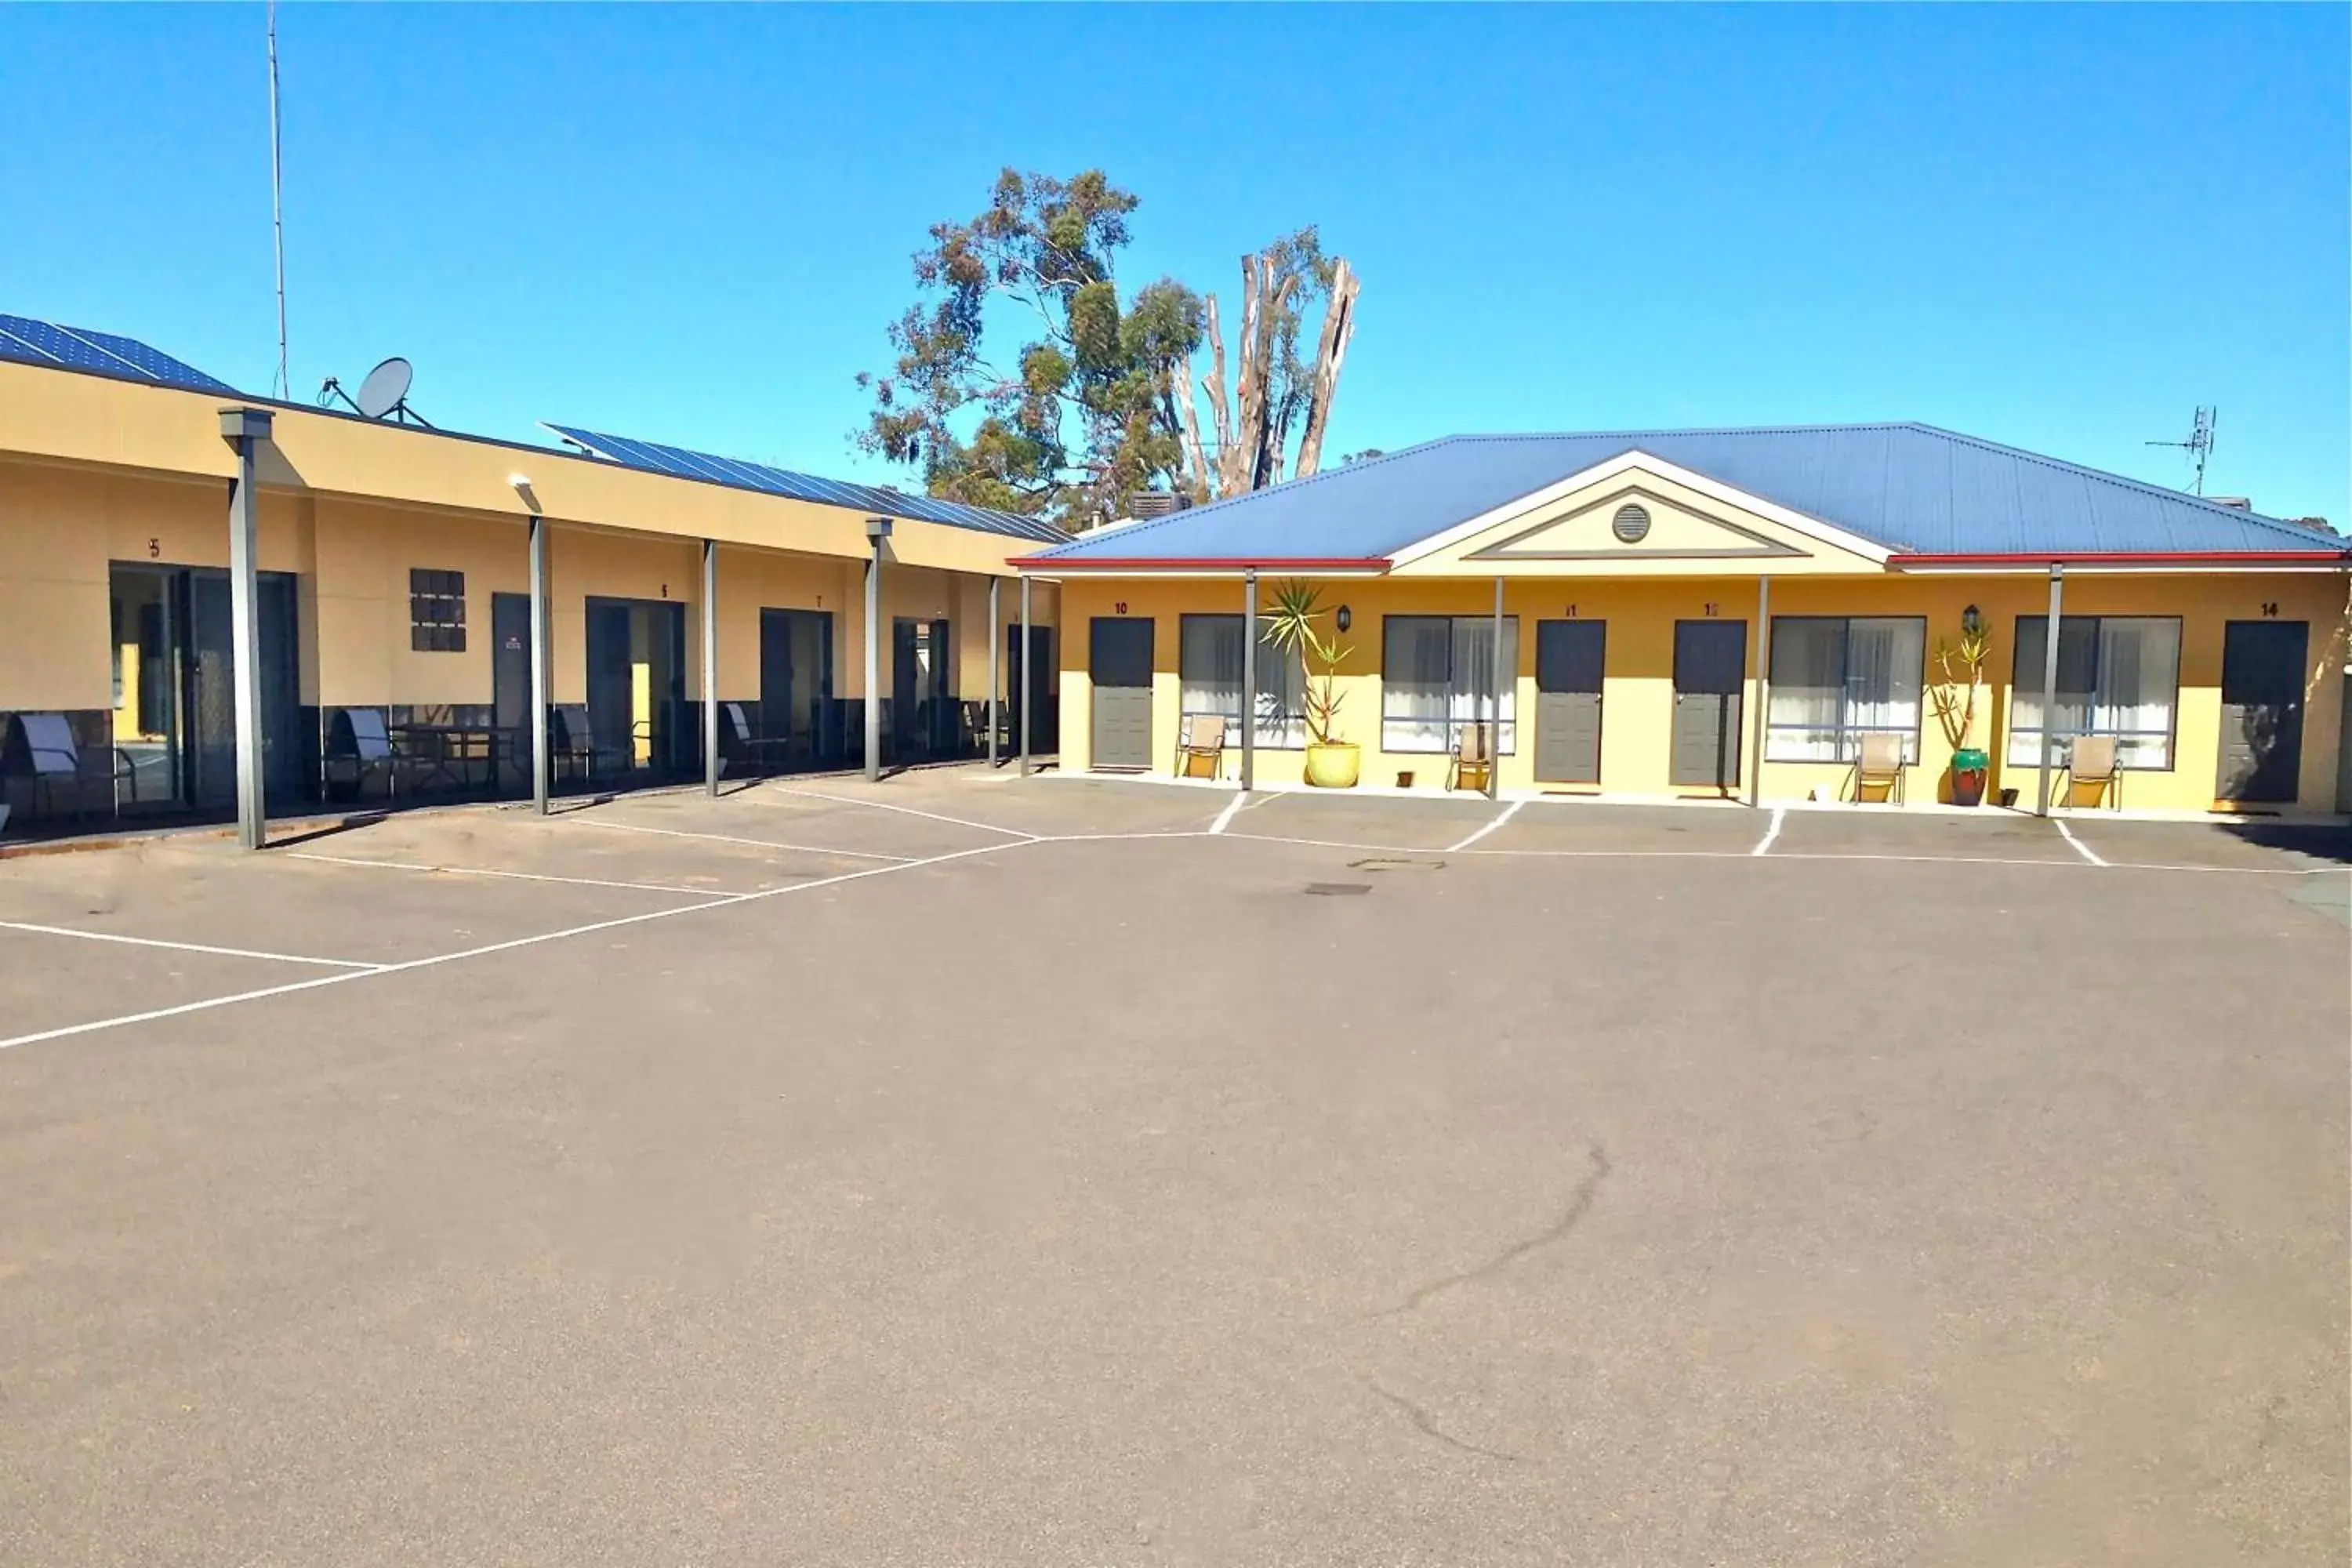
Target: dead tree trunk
1330,353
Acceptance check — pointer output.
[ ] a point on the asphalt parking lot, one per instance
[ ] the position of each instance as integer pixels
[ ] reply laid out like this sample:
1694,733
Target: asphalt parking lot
977,1171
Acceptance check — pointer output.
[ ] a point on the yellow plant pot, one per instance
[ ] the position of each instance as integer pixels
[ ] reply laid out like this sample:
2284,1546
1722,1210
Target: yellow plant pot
1333,764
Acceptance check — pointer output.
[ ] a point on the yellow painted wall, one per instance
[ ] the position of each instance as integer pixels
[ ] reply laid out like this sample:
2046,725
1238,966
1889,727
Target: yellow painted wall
1638,678
60,528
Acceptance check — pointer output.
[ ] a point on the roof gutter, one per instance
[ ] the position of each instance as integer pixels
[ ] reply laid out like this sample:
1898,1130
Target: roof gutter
1201,567
2130,561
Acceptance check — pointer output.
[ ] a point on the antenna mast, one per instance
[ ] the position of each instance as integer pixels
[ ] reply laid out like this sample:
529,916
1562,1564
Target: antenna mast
281,387
2199,445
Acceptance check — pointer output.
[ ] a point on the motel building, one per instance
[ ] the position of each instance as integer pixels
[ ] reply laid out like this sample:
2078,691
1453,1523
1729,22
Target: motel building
198,587
1726,614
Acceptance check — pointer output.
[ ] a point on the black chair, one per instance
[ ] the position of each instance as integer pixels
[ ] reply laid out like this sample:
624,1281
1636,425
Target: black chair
41,747
737,743
571,740
359,740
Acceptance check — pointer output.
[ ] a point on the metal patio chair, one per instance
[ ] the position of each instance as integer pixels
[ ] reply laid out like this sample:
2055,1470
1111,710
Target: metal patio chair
1881,765
2091,761
359,739
1200,737
1473,758
41,746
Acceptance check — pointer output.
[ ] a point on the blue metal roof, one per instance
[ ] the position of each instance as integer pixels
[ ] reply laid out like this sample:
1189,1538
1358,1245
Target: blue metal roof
679,463
1911,488
45,344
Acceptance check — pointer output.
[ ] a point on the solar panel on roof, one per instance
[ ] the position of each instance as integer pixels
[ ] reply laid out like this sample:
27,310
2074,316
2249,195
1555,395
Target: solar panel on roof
29,341
678,462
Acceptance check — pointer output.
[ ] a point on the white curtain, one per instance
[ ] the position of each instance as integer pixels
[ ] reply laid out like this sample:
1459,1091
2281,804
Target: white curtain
1281,694
1884,662
1416,677
2139,665
1473,674
1808,689
2117,675
1209,666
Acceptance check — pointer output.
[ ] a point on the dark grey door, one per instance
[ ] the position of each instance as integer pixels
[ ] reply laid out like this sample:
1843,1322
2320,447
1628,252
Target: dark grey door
510,684
2261,710
1568,701
1710,665
285,772
1119,666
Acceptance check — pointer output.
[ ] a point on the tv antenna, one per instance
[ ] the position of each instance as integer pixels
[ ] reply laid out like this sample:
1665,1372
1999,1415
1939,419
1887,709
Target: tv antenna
2199,445
383,394
281,386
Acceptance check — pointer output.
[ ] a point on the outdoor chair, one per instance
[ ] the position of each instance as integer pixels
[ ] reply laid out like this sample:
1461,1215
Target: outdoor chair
1201,739
1473,758
2091,763
736,742
1881,765
571,740
359,740
41,746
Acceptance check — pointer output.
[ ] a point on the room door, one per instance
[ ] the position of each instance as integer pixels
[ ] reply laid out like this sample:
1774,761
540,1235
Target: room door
636,685
1119,667
796,679
1569,656
1710,667
2261,710
211,697
510,685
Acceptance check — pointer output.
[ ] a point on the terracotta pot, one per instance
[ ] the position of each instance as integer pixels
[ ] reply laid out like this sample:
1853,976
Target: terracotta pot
1333,764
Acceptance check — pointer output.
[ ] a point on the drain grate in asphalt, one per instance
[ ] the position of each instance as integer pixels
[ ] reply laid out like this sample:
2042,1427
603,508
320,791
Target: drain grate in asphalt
1337,890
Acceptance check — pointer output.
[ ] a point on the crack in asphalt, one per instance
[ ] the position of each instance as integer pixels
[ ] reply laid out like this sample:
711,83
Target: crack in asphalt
1579,1202
1429,1428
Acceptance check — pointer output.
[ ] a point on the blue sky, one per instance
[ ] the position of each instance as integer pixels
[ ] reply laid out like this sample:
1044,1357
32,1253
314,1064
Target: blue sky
2060,227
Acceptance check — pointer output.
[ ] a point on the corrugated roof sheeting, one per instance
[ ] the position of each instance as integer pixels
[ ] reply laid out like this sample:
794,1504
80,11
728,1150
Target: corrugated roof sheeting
1911,488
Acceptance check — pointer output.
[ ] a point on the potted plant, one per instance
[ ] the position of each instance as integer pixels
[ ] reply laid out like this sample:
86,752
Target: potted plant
1295,623
1961,667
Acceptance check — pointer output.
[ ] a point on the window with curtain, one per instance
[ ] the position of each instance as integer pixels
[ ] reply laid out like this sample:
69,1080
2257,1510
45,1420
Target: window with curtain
1209,672
2117,675
1835,680
1434,671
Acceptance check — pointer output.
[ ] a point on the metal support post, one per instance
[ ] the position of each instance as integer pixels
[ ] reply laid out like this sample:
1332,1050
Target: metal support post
1028,675
1495,701
2049,690
878,533
711,666
995,638
244,429
1763,689
539,762
1249,680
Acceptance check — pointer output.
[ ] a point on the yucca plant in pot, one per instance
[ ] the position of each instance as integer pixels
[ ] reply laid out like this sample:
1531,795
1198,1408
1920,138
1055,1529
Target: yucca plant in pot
1955,693
1295,624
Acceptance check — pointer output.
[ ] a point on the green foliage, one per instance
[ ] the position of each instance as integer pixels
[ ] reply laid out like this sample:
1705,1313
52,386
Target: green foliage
1086,416
1294,624
1961,669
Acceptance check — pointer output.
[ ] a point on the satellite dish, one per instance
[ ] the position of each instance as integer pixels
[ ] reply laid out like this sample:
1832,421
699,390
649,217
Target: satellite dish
385,388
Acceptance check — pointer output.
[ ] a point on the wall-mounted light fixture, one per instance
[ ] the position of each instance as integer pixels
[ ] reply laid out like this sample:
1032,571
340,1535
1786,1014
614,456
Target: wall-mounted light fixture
530,498
1346,617
1972,621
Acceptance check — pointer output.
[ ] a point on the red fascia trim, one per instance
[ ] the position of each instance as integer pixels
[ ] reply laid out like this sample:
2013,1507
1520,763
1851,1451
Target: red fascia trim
2128,558
1163,564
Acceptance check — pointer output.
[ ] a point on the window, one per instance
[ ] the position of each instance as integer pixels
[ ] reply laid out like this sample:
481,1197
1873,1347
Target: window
2117,675
1209,663
1835,680
436,611
1434,671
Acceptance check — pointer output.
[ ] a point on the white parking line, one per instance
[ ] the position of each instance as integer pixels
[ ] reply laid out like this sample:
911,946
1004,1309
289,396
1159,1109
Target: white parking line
1763,844
370,970
517,876
1226,816
189,946
727,838
1505,815
2080,847
908,810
